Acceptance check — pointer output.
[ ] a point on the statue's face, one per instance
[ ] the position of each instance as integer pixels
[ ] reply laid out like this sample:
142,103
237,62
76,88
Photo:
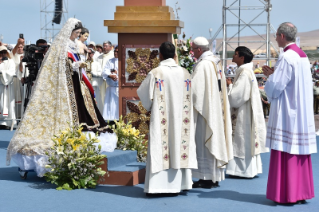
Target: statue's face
84,37
75,34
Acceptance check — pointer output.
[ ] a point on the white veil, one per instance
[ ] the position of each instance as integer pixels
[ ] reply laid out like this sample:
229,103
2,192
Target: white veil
49,109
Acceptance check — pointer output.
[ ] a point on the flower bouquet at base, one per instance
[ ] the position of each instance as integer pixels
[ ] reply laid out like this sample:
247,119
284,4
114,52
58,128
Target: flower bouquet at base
74,161
130,138
186,55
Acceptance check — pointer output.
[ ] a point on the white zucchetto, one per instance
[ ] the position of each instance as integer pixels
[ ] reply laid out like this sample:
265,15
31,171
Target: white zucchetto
201,41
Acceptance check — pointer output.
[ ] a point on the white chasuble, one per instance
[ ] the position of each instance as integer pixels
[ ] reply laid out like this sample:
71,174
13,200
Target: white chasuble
291,126
249,129
7,100
212,118
166,91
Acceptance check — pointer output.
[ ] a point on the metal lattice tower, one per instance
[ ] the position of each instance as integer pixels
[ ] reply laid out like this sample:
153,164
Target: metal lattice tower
47,12
265,7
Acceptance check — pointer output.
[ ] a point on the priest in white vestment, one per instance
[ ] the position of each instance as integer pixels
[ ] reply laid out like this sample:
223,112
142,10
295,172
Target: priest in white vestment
17,55
291,128
248,123
103,58
212,117
166,91
7,100
111,100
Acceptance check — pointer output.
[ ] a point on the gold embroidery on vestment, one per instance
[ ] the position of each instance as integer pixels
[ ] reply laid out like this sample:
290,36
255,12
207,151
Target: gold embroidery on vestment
73,105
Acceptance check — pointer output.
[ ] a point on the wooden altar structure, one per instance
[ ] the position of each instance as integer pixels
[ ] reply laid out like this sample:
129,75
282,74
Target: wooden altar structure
142,26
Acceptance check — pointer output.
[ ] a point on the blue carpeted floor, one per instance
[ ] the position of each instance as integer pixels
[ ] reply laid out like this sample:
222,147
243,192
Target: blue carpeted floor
234,194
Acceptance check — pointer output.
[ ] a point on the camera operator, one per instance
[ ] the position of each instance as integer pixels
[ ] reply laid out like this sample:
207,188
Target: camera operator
7,99
30,65
23,71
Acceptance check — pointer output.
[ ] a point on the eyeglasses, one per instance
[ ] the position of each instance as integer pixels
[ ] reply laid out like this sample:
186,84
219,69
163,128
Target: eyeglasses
116,51
3,52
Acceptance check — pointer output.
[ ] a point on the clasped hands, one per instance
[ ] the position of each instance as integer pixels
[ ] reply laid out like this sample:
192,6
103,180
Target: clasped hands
268,71
113,77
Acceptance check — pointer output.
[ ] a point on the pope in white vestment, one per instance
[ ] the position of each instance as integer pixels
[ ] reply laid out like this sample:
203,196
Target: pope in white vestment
212,117
249,129
166,91
7,98
291,128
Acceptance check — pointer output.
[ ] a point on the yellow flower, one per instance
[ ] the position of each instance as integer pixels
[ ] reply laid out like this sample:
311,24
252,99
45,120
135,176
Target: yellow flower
80,130
83,138
60,141
75,147
70,141
64,132
135,132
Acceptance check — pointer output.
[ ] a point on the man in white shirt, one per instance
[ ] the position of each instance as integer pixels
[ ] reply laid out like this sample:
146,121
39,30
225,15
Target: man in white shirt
103,59
111,101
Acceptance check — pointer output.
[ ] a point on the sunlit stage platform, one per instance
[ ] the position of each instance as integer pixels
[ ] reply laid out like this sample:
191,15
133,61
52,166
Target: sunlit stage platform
234,194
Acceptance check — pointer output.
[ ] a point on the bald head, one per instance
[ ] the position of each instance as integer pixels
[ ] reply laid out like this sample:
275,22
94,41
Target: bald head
288,30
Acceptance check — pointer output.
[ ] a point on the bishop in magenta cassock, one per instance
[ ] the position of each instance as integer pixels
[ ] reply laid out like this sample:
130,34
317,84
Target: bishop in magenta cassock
291,129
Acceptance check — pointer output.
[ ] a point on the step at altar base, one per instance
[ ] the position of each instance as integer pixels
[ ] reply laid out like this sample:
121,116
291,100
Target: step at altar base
129,174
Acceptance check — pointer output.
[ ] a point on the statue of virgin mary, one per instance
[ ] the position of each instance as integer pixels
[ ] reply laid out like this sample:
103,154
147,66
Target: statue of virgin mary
62,95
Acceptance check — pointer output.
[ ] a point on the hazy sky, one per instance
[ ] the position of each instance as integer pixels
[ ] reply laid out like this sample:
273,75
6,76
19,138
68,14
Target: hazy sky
23,16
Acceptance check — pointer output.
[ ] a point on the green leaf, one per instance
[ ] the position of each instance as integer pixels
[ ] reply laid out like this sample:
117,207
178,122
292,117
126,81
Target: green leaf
82,183
75,182
66,186
59,188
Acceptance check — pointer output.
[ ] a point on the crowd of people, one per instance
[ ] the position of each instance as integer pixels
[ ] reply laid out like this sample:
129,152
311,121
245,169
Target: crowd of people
202,125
